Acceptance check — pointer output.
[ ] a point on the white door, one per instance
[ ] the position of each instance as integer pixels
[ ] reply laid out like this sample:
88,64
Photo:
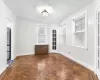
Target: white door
53,40
98,41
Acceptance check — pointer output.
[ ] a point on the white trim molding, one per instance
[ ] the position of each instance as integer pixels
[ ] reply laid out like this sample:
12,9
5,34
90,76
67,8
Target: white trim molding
3,69
77,17
80,62
96,41
45,33
23,54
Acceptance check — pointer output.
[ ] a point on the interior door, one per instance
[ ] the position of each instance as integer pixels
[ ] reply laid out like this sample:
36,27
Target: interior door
54,40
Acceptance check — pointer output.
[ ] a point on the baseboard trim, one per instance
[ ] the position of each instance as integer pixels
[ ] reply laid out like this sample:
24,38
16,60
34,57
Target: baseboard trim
3,69
21,54
80,62
92,68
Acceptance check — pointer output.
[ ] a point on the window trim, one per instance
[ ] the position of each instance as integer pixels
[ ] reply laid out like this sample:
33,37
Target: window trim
96,40
78,16
62,34
45,34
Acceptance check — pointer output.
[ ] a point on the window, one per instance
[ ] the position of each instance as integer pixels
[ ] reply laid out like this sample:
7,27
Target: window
80,30
98,40
41,33
63,33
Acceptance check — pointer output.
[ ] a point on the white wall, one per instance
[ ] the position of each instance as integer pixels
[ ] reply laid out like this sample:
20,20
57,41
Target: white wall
4,13
10,16
83,55
27,36
53,27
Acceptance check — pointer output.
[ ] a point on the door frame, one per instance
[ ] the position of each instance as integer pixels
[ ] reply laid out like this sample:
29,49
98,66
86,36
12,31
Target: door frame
96,41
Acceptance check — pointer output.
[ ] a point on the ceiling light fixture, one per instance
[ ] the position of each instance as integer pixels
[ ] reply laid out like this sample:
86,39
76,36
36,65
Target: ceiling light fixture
44,13
45,10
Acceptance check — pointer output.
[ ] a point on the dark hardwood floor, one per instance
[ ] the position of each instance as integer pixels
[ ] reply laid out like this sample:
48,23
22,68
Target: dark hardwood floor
46,67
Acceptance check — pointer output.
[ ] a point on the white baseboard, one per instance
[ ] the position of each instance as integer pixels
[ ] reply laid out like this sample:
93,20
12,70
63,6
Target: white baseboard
92,68
21,54
80,62
4,68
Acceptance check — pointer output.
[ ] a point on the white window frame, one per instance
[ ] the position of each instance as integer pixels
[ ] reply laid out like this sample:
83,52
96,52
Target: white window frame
45,34
78,16
63,26
96,43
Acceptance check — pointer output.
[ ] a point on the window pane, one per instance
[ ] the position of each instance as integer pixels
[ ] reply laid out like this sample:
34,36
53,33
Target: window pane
83,27
99,41
55,47
99,53
80,24
8,55
77,28
64,30
53,35
53,43
99,17
54,39
83,20
77,22
98,64
99,23
41,39
8,48
98,28
41,30
79,39
55,31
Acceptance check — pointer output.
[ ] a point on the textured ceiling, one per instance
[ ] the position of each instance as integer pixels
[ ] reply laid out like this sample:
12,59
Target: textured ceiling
62,8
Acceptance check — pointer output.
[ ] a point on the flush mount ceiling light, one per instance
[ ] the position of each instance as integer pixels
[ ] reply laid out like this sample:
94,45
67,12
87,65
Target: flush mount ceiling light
44,13
45,10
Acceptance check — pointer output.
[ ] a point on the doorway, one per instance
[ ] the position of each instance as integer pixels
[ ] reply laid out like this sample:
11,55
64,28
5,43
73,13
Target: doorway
8,44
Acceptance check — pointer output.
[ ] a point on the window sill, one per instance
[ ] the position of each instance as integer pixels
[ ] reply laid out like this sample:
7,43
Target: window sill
42,44
79,46
83,31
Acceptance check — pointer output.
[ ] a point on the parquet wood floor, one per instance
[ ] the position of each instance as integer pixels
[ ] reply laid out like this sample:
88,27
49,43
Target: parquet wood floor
46,67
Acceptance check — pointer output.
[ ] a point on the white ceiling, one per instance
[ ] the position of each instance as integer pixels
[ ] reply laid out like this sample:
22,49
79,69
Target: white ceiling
62,8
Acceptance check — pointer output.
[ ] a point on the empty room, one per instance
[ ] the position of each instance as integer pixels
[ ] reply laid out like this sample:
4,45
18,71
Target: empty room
49,39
